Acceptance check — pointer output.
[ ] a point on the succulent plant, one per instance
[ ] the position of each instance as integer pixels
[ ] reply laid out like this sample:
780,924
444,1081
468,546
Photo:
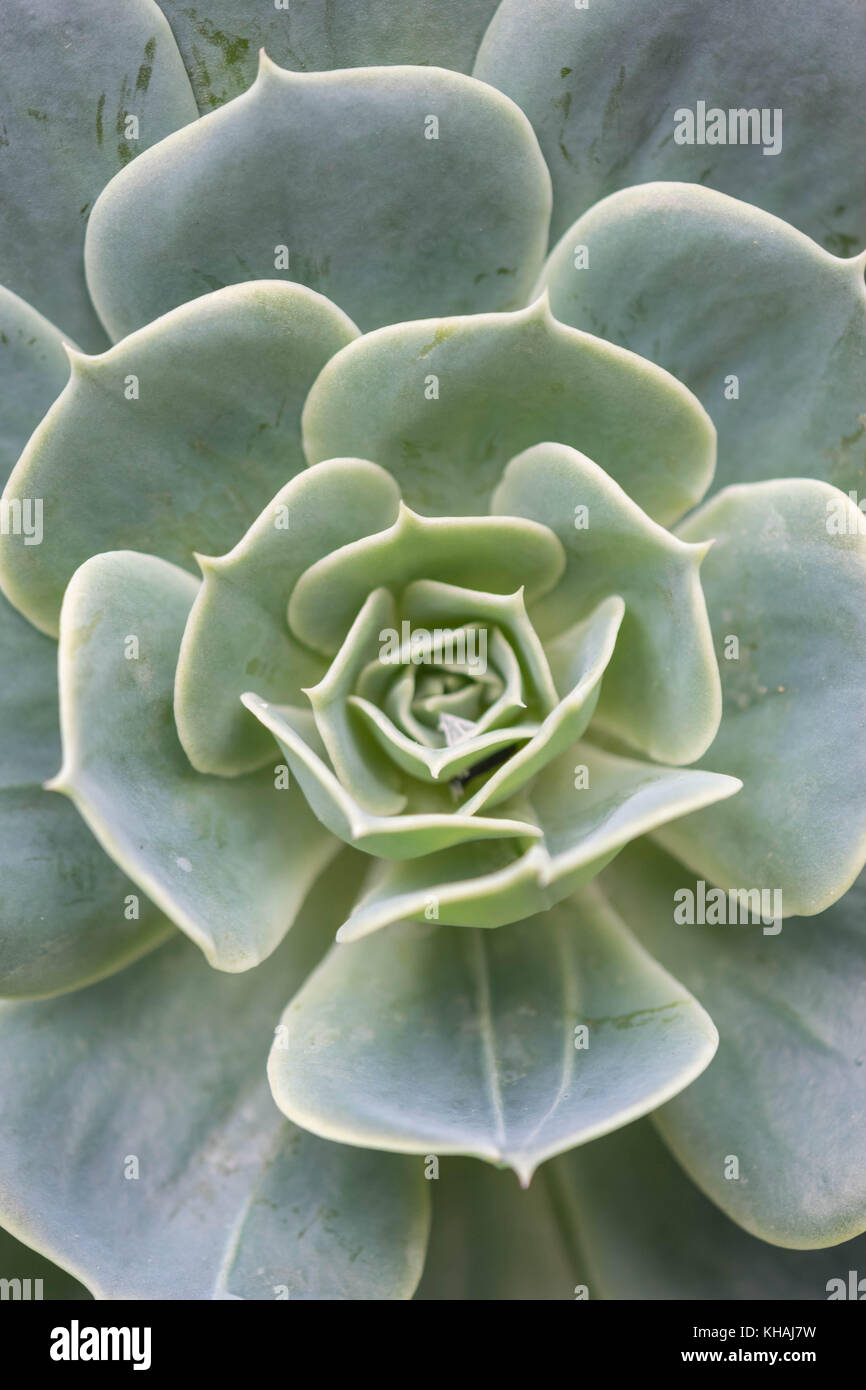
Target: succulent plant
434,442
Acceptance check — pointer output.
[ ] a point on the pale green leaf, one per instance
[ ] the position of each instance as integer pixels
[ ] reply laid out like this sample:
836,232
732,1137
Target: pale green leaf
786,1095
661,692
237,633
353,754
510,1046
648,1234
480,552
785,583
173,440
430,824
586,652
72,72
220,40
586,804
337,180
504,382
33,371
431,600
229,861
492,1241
66,914
178,1177
766,327
438,763
603,85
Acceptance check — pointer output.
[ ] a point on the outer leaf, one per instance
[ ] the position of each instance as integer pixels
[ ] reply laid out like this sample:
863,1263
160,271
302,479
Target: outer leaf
492,1242
661,692
339,169
237,629
33,371
793,593
163,1064
230,862
506,382
647,1233
786,1094
72,72
488,552
67,917
729,299
220,42
602,86
173,440
426,1039
64,906
587,804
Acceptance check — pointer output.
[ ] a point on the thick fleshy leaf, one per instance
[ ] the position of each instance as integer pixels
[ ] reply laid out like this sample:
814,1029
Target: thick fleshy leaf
428,600
604,86
151,1085
66,914
86,85
33,371
439,763
510,1046
418,832
786,1095
586,803
490,1241
398,192
457,743
661,692
399,704
478,552
647,1233
786,580
38,1277
590,646
502,383
237,629
220,43
173,440
463,704
229,861
352,752
766,328
419,705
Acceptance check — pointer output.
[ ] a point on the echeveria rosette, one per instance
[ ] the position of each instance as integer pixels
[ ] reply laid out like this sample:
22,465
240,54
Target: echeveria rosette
285,457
